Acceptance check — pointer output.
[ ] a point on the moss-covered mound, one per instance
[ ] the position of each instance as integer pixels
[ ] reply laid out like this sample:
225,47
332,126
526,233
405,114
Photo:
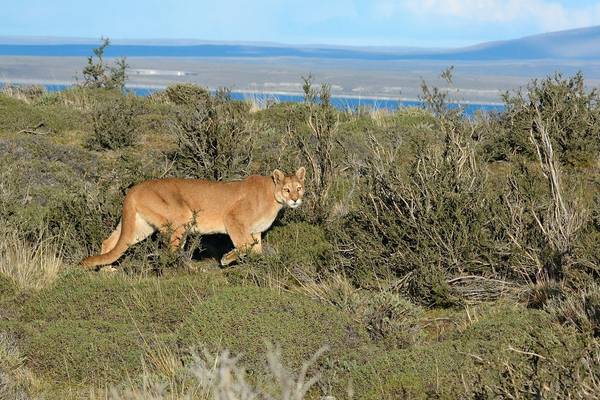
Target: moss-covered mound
95,328
18,115
478,359
153,304
82,352
244,320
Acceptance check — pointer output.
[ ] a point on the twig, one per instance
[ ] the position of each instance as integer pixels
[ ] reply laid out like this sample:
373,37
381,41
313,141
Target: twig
526,352
34,130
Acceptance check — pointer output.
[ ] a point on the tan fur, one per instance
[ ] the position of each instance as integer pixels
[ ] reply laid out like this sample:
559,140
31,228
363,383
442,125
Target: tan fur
242,209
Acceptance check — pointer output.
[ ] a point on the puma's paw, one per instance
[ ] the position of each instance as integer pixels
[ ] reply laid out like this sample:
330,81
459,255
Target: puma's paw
229,258
108,269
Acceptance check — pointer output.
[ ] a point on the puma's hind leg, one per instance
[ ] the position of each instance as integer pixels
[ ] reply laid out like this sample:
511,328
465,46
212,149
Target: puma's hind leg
108,245
111,241
117,244
175,237
142,230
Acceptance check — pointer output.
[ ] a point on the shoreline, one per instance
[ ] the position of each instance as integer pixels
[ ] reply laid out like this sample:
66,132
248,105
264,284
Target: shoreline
249,92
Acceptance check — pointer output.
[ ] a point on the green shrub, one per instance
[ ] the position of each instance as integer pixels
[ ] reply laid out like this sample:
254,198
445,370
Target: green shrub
319,150
299,242
391,319
39,176
571,113
184,94
98,75
17,115
114,124
215,139
530,355
283,116
293,253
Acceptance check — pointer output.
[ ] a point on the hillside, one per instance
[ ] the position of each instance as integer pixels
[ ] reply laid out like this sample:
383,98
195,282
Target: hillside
434,256
576,44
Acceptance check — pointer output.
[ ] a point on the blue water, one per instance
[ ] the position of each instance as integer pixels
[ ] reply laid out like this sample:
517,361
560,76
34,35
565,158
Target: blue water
351,103
342,103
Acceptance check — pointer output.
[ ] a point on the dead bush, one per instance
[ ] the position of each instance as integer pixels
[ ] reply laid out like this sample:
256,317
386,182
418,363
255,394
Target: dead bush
320,150
436,221
545,218
580,309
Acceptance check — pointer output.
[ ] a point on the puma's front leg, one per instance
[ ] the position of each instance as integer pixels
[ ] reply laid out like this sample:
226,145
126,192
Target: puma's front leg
254,246
242,239
257,243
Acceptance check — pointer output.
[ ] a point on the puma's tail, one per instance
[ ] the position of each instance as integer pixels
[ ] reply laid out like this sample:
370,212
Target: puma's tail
125,239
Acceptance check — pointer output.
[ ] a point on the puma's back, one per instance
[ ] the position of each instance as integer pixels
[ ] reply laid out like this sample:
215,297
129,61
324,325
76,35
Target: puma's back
205,201
242,209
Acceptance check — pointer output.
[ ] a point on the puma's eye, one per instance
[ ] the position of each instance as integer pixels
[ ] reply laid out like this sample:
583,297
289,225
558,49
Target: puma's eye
299,188
286,190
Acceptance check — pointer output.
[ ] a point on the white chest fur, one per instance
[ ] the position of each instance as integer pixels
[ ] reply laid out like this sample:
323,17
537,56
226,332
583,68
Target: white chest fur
264,223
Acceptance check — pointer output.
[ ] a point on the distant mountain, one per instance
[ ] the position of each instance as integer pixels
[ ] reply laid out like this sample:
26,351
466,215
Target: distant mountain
576,44
580,44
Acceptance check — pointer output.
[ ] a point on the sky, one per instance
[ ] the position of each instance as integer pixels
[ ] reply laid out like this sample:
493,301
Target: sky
419,23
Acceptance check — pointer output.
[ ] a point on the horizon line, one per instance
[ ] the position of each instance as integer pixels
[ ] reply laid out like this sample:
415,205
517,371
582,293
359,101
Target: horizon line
68,40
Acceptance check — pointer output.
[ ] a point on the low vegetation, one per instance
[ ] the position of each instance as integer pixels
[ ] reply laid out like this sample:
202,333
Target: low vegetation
436,256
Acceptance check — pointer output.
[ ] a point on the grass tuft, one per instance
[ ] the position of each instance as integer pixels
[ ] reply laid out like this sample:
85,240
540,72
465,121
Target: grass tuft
29,266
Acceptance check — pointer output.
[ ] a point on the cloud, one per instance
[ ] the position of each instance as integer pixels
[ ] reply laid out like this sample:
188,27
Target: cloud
545,14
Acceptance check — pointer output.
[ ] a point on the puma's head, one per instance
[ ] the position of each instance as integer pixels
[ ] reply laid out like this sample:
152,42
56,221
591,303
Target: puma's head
289,190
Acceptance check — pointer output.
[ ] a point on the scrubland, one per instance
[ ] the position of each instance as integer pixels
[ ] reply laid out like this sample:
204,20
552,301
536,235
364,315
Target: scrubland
435,256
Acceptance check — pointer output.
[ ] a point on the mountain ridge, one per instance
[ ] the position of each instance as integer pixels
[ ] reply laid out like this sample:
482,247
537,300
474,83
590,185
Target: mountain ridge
573,44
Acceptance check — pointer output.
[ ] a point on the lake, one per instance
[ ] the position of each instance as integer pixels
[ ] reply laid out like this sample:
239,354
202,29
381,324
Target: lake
340,102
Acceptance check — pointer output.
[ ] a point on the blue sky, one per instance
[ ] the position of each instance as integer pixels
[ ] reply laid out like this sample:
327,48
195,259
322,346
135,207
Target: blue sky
360,22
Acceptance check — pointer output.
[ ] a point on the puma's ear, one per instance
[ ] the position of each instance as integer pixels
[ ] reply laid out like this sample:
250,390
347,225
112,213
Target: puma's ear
278,176
301,173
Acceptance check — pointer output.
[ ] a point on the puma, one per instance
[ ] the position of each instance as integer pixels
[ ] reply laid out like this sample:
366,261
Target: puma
242,209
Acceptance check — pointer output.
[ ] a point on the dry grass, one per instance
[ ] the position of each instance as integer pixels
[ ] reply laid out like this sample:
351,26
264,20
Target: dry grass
77,99
218,377
337,291
259,102
163,360
380,116
26,93
29,266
